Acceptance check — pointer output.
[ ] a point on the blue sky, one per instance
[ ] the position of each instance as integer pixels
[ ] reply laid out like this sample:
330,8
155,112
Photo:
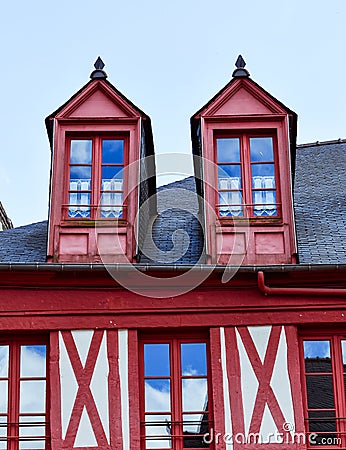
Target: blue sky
169,58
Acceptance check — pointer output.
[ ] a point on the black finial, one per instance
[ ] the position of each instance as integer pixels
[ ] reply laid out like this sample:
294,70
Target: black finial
98,73
240,70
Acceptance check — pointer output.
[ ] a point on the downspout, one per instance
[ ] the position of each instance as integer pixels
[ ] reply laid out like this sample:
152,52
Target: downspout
266,290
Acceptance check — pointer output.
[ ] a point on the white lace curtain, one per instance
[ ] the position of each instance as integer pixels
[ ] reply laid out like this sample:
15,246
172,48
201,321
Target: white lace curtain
232,201
111,202
264,199
79,202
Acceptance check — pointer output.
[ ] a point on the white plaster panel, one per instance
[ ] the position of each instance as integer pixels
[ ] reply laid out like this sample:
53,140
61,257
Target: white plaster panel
260,337
68,386
82,339
99,386
225,384
249,384
85,436
268,431
280,381
124,388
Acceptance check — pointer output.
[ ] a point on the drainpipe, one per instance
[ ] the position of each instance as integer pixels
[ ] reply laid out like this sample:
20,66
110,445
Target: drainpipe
266,290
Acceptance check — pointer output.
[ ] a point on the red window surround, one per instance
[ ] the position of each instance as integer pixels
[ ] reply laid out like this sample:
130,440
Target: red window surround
247,175
95,177
324,376
175,409
24,403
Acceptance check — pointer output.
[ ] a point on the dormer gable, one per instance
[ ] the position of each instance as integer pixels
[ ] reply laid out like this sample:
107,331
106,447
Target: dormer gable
244,145
102,145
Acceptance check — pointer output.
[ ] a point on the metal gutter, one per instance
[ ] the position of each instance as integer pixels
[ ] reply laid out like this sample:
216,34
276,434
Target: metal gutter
96,267
296,291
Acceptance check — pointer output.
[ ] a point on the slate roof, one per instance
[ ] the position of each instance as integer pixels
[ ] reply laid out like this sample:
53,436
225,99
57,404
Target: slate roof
320,202
320,210
27,244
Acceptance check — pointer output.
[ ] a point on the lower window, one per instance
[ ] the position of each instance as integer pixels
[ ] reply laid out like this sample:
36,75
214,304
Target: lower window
175,406
325,376
23,401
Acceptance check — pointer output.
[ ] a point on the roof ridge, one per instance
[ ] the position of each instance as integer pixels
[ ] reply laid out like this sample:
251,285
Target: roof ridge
317,143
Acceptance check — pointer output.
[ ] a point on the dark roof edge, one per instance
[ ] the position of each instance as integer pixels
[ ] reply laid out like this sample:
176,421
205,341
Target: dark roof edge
317,143
90,267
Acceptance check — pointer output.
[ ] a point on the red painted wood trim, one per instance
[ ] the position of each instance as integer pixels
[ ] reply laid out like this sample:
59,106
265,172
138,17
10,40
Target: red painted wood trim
114,403
234,383
294,374
55,392
217,386
134,389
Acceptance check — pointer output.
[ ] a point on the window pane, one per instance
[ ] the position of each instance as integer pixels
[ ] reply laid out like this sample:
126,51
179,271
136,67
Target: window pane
228,149
263,176
113,151
194,359
33,361
80,173
265,203
32,396
261,149
228,199
322,422
33,427
78,205
229,176
195,395
3,432
156,360
320,391
109,172
317,356
158,429
157,396
3,360
197,426
3,396
81,152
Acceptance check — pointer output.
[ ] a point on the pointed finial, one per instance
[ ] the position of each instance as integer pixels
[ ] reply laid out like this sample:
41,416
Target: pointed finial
98,73
240,70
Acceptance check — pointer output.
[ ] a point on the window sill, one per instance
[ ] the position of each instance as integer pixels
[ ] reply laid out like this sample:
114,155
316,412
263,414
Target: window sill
252,221
82,223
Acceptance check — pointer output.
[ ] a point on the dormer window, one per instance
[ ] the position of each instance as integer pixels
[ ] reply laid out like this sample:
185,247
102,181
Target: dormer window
96,177
246,176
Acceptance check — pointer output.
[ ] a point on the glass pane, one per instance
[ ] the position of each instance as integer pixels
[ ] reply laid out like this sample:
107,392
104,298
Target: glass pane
33,361
156,360
3,360
317,356
265,202
81,151
110,172
113,151
321,422
228,149
80,173
3,432
263,176
261,149
157,396
195,397
33,427
197,426
158,430
320,391
229,176
32,396
194,359
3,396
232,201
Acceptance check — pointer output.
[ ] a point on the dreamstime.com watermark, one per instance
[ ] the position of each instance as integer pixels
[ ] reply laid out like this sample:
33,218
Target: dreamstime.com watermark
289,436
187,209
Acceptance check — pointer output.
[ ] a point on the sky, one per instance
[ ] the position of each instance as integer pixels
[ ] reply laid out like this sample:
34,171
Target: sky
169,58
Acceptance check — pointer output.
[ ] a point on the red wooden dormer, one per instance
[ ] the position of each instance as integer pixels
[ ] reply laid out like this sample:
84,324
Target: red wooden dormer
98,138
244,146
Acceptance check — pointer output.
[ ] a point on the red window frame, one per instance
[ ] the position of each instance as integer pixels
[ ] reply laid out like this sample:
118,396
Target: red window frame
176,377
14,381
246,165
96,166
333,439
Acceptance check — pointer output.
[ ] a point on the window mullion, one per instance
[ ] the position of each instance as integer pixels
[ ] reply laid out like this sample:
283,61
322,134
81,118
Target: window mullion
96,171
176,393
339,388
14,395
246,167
